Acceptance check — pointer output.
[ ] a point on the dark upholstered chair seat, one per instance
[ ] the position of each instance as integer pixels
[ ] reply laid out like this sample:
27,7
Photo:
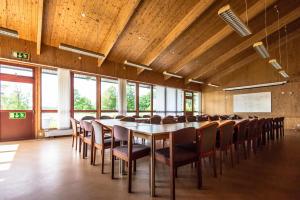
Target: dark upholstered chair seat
138,150
182,154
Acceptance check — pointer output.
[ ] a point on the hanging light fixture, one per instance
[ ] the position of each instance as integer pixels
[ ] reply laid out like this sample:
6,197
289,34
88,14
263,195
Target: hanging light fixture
284,74
261,50
145,67
213,85
275,64
194,81
9,32
77,50
171,74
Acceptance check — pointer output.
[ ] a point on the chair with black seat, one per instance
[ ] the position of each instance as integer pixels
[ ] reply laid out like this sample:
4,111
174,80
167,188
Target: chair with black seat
252,136
136,116
281,126
213,118
75,132
88,118
168,120
128,119
119,116
260,131
191,118
146,116
241,138
181,152
155,119
100,142
87,139
181,119
202,118
224,117
207,144
105,117
129,152
226,140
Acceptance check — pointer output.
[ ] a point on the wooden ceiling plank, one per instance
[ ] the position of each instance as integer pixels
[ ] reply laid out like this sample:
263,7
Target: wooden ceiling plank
248,59
122,19
288,18
188,19
39,26
253,11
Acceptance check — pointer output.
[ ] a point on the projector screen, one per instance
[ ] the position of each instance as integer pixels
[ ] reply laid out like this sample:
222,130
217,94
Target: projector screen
252,102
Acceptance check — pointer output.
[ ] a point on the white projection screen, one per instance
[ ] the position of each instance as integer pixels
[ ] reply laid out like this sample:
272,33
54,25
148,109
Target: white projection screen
252,102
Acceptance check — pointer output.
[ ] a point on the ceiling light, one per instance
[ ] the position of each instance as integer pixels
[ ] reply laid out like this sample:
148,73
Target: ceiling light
81,51
213,85
234,21
126,62
194,81
9,32
255,86
171,74
261,50
284,74
275,64
82,14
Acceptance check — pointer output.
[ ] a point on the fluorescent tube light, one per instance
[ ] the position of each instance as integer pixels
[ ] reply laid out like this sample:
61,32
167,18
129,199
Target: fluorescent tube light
171,74
234,21
9,32
194,81
284,74
261,50
77,50
126,62
213,85
255,86
275,64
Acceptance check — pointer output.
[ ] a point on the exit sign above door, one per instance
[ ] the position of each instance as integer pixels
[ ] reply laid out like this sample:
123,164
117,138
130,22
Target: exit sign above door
17,115
21,55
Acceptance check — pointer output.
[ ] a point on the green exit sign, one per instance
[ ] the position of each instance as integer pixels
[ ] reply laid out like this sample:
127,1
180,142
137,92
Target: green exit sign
17,115
21,55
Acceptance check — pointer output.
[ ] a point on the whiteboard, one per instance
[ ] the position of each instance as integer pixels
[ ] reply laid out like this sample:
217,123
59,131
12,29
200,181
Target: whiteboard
252,102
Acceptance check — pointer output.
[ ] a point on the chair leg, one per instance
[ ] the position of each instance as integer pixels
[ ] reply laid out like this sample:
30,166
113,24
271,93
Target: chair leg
237,152
72,141
214,165
221,158
76,140
112,166
199,172
102,160
129,175
134,165
231,156
172,182
175,172
94,155
245,150
80,145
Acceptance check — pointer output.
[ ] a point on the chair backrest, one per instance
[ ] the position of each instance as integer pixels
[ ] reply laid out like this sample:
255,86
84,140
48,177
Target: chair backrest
155,119
213,118
146,116
105,117
119,116
128,119
181,119
224,117
252,128
191,118
168,120
74,125
202,118
88,118
183,136
226,133
242,130
120,133
135,116
87,126
208,136
169,116
260,125
98,135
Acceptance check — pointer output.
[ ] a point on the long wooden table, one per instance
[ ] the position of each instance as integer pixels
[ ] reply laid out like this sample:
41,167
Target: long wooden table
153,132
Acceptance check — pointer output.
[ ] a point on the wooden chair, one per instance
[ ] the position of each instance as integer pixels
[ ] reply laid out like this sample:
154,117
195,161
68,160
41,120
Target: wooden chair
136,116
252,136
241,138
119,116
168,120
224,117
128,119
281,126
178,155
202,118
155,119
213,118
191,118
105,117
226,140
129,152
181,119
207,144
76,132
260,131
88,118
87,139
146,116
100,142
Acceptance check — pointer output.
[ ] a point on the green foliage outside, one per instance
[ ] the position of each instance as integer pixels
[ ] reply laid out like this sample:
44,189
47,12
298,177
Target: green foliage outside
82,103
16,100
130,93
188,105
145,102
109,99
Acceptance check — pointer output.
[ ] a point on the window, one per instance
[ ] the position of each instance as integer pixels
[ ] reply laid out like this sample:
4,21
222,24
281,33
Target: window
109,97
179,104
197,103
189,105
18,71
131,97
171,101
159,100
144,98
49,98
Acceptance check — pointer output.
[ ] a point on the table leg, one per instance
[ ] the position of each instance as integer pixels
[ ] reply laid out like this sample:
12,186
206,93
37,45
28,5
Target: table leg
152,168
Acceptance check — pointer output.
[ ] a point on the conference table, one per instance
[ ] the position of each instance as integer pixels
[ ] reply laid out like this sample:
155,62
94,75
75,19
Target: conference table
153,132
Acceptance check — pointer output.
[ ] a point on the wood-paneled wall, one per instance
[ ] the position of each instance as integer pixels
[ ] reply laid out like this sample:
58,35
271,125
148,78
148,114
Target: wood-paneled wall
285,98
55,57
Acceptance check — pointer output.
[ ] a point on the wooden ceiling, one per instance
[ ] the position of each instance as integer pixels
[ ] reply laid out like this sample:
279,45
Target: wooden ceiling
183,37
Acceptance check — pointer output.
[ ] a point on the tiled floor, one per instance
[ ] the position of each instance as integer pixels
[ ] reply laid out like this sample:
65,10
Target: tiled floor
51,169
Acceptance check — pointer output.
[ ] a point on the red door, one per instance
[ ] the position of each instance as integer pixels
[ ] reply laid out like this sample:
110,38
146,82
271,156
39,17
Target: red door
17,103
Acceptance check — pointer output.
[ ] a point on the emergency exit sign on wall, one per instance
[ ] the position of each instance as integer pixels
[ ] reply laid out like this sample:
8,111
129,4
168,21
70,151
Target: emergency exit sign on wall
21,55
17,115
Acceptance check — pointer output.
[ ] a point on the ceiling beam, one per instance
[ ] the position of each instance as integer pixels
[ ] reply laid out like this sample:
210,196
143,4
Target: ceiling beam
117,28
39,26
249,59
288,18
253,11
188,19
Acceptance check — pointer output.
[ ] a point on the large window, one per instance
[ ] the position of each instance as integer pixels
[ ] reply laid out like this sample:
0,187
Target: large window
180,99
131,97
49,98
159,100
144,99
18,71
109,97
188,101
84,95
171,101
197,103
